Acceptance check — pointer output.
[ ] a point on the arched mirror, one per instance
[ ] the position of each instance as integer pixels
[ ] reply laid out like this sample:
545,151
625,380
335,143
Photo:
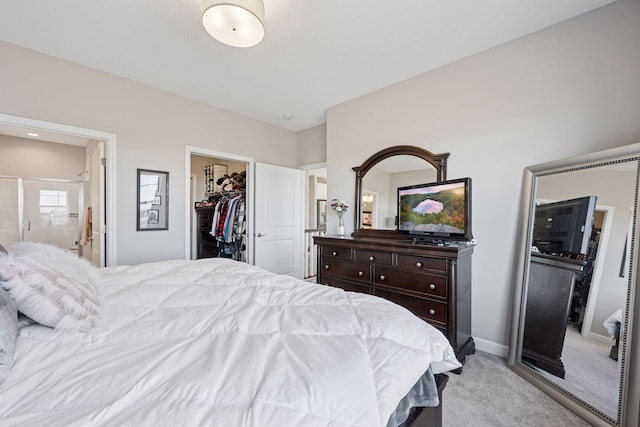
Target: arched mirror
574,311
378,178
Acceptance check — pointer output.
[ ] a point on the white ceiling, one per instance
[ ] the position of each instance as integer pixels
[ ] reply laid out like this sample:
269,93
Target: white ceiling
315,54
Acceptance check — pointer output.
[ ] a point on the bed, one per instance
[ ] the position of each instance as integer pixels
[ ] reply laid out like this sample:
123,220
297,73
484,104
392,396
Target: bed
209,342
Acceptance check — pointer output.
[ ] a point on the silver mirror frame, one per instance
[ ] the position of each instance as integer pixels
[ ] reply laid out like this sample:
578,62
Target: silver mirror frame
629,396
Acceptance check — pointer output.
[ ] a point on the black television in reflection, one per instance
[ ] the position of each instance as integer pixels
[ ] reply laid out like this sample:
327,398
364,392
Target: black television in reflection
564,228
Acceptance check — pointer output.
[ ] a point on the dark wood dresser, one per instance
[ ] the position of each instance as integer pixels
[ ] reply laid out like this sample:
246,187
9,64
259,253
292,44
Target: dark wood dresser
206,245
551,282
433,282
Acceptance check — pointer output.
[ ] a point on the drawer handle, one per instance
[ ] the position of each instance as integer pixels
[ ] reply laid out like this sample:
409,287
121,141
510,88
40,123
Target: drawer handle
432,312
432,286
372,258
360,273
382,277
326,266
418,264
334,253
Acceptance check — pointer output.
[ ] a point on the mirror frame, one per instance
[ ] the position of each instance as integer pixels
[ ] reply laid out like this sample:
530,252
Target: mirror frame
629,391
438,161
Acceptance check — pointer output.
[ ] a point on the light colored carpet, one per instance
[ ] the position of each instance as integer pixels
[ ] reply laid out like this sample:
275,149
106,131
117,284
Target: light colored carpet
590,373
488,394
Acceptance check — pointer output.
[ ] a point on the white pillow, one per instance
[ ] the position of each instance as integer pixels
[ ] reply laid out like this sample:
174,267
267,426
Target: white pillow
52,286
8,333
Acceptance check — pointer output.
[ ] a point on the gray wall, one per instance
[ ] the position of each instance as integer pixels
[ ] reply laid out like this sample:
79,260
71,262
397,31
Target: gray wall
28,158
152,129
570,89
312,145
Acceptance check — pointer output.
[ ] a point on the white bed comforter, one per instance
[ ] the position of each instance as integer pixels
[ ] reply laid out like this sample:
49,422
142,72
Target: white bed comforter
220,343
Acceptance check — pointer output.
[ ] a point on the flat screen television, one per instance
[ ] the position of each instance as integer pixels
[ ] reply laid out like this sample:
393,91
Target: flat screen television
437,211
564,228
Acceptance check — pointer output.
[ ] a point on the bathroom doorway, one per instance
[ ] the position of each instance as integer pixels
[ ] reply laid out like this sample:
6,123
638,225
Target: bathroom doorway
32,149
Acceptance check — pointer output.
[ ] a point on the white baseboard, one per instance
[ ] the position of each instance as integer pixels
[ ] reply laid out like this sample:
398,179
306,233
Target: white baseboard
601,338
491,347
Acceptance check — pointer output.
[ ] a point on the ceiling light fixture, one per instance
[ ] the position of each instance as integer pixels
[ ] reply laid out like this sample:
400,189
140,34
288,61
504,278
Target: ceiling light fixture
236,23
33,134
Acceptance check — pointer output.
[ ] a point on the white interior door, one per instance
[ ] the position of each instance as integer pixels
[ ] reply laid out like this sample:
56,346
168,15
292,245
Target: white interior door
98,201
279,219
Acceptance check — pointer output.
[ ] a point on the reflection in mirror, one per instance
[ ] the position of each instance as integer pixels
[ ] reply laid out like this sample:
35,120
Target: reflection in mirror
378,178
152,209
381,182
571,334
370,212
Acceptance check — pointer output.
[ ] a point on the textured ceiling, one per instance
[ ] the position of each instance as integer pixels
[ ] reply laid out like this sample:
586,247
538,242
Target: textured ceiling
315,54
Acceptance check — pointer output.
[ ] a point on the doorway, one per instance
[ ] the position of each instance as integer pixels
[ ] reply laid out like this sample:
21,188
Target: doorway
281,221
315,214
101,191
201,177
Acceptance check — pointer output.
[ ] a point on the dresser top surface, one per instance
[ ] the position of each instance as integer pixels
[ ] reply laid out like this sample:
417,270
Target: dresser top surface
453,249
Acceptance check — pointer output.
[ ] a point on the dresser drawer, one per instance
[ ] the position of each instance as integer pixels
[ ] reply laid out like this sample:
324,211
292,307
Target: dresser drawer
421,263
335,252
424,283
430,310
347,286
372,256
349,270
204,221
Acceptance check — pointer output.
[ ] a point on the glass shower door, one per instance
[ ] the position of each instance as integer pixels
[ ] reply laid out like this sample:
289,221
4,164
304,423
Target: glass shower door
9,212
51,212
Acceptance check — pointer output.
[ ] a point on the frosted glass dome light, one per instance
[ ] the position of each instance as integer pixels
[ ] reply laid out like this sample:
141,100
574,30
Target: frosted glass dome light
235,23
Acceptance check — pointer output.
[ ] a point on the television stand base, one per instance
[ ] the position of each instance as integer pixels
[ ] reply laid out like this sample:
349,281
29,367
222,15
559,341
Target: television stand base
431,241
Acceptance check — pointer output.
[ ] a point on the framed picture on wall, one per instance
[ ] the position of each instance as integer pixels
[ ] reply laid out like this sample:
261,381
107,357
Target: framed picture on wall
154,216
152,207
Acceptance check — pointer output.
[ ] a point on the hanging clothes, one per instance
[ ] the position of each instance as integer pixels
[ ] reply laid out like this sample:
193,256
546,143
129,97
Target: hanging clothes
228,226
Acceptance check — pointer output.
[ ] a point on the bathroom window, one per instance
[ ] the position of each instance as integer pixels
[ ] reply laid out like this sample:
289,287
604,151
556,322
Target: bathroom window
53,205
53,198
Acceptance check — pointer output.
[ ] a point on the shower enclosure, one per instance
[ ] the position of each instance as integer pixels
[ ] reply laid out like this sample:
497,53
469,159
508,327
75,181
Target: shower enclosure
41,210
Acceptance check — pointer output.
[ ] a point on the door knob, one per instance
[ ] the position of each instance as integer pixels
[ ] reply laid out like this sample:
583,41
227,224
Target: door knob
260,235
